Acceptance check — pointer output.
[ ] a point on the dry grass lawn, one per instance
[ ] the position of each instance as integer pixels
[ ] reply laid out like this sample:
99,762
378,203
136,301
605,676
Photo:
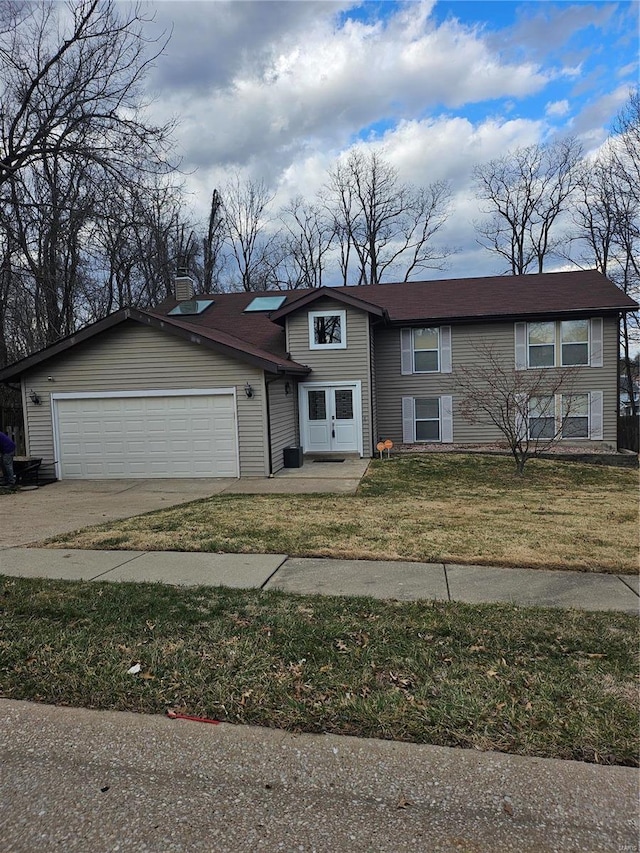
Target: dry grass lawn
443,508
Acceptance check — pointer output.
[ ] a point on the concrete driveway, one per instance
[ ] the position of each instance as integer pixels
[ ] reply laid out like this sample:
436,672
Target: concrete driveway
35,514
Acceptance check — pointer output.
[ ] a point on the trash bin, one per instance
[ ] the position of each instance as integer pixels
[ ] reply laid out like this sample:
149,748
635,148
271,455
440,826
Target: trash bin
292,457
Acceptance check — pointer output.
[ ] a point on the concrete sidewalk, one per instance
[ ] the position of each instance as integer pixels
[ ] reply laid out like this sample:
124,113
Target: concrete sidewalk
387,580
99,781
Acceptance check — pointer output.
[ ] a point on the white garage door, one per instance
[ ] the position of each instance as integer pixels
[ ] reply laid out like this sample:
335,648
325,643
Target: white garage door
156,435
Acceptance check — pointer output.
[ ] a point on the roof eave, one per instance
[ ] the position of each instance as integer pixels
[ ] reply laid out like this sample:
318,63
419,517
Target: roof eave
512,315
331,293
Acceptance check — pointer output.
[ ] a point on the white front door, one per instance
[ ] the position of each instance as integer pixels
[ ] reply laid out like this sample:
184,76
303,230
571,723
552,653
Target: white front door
330,418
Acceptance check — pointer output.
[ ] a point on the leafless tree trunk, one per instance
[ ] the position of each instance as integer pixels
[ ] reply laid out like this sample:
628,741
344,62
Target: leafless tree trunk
212,245
389,226
525,192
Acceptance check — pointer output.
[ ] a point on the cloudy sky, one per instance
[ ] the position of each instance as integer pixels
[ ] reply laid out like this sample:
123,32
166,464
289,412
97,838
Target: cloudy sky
278,90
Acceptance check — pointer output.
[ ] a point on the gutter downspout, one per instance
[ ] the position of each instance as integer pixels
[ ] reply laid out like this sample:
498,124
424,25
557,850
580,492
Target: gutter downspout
618,385
268,382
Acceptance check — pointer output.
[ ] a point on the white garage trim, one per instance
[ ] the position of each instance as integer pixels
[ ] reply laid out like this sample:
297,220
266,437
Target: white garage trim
60,397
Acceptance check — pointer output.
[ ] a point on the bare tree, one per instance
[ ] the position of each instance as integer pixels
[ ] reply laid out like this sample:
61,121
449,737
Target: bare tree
385,226
606,217
525,192
251,246
532,409
306,241
71,87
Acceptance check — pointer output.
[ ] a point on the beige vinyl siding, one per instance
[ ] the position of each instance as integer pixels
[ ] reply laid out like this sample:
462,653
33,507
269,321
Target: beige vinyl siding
132,357
465,341
338,365
283,413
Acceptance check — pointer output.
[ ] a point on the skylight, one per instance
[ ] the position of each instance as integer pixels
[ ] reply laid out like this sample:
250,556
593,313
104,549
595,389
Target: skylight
265,303
191,306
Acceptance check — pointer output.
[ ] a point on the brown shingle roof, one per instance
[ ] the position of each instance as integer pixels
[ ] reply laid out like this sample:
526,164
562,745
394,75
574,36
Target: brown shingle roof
260,339
462,300
491,297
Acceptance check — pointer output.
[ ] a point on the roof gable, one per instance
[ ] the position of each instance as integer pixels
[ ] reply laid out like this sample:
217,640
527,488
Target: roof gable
210,338
342,294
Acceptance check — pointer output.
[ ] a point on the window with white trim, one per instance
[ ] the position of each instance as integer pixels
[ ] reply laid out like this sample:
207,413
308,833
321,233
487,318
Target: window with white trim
542,340
563,343
427,418
574,337
327,329
426,350
542,418
575,416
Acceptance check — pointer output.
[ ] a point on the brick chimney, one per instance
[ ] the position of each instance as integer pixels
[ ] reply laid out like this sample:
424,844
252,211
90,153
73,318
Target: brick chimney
184,286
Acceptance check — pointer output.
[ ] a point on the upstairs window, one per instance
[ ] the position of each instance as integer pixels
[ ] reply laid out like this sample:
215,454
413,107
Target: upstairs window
426,349
542,338
327,329
575,342
562,343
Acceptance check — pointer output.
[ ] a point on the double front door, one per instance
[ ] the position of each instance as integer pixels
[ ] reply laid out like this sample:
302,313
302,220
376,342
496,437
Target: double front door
330,416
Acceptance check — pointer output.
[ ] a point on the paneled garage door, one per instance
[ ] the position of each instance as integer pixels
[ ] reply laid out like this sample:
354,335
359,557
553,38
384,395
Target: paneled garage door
155,435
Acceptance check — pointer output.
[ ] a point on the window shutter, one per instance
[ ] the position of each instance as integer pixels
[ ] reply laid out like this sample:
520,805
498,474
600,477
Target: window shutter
558,416
596,342
446,419
596,415
408,420
520,330
406,347
521,416
445,349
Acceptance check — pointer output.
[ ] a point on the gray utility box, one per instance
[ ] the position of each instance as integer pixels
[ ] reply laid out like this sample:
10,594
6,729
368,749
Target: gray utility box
292,457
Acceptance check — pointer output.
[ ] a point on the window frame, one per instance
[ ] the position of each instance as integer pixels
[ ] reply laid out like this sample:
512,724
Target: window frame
417,420
568,417
414,350
539,346
342,315
549,416
586,343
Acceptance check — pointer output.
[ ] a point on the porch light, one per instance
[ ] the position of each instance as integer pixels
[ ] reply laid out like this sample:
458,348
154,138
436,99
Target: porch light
248,390
34,398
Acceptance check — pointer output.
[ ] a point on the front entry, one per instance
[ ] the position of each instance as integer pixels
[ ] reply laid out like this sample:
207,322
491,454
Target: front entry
330,418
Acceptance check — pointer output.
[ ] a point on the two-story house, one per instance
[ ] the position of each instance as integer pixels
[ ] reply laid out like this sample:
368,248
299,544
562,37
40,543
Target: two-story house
219,385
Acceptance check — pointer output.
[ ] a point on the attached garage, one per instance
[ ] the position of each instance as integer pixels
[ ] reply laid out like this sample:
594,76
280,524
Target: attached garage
146,434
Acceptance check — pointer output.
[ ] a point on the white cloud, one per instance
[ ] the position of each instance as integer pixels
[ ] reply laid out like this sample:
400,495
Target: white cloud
323,85
278,90
557,108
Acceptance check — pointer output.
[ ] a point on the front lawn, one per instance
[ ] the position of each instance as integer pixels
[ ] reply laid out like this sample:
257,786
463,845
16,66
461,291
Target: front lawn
429,508
551,683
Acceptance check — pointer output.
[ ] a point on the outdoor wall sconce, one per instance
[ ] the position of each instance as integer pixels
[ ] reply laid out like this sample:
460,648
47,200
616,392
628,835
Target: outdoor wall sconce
287,388
248,390
34,398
